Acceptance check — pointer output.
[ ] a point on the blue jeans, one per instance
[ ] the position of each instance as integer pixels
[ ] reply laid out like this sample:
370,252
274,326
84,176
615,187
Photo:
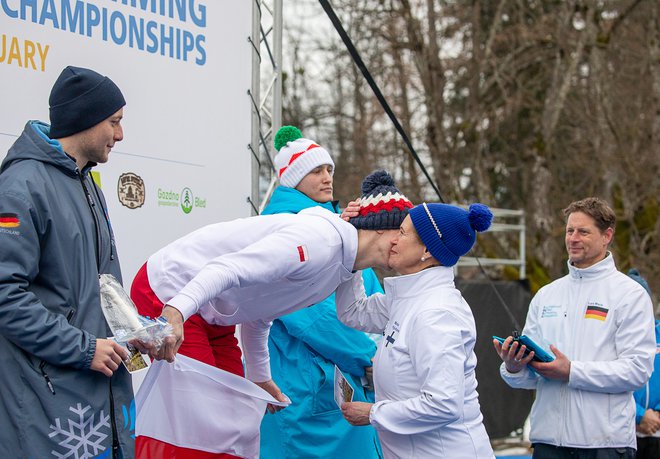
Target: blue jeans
545,451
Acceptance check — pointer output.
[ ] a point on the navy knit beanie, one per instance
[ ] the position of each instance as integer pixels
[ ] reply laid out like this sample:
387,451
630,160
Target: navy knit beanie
80,99
382,205
447,231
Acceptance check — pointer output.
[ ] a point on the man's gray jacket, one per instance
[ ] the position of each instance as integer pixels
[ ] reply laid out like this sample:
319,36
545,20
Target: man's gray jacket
55,239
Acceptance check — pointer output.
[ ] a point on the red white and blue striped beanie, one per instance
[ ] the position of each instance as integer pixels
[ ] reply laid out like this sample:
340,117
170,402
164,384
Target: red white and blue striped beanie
297,156
382,205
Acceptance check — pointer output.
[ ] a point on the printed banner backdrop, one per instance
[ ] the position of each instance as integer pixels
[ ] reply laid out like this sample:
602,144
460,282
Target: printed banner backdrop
184,67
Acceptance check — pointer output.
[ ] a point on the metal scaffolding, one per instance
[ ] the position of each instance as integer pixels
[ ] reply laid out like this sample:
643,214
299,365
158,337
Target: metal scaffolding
266,96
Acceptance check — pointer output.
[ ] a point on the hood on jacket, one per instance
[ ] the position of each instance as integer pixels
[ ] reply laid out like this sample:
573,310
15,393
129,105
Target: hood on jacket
34,144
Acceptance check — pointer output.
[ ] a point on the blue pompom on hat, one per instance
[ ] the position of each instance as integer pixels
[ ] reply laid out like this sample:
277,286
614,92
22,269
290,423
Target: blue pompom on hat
80,99
382,205
634,274
447,231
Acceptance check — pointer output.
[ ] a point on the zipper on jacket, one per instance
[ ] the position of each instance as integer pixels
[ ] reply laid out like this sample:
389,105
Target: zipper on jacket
107,220
46,377
49,383
113,423
575,313
92,205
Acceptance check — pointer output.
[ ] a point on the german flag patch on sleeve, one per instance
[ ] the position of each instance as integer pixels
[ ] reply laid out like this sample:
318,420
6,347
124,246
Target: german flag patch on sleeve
9,220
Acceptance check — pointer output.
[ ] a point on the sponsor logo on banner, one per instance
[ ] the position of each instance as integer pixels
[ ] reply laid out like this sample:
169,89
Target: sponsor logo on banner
96,176
187,200
130,190
184,199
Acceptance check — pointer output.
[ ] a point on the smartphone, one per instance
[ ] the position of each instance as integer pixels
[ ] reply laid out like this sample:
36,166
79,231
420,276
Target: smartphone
540,355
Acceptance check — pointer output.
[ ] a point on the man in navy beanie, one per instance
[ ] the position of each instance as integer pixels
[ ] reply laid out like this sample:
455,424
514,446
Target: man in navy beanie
65,392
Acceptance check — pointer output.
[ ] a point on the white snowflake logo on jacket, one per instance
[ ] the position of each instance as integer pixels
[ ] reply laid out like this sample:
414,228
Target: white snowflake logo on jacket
82,438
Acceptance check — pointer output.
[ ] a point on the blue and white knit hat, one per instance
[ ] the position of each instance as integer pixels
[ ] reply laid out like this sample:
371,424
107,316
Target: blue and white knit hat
447,231
297,156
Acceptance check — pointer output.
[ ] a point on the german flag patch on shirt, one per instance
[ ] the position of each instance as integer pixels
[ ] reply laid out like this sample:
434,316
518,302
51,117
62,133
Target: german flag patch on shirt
596,312
8,220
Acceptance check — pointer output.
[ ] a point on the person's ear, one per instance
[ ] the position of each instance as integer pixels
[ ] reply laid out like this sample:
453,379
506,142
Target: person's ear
608,235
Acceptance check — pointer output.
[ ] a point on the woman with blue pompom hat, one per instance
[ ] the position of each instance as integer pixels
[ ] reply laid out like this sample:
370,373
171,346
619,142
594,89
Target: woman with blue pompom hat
427,405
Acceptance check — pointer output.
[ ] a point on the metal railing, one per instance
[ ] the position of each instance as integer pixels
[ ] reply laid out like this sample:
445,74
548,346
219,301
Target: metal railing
498,226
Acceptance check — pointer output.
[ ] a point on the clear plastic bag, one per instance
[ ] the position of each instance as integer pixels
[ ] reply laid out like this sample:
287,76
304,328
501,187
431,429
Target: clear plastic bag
122,316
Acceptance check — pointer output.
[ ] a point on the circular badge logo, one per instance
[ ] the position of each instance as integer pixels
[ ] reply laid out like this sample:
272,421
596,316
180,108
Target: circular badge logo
130,190
187,200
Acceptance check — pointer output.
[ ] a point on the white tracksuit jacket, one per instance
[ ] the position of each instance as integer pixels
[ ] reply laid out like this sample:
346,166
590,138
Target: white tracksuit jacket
611,350
249,271
427,404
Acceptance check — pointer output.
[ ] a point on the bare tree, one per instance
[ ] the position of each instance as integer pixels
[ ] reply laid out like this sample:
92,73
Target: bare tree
521,104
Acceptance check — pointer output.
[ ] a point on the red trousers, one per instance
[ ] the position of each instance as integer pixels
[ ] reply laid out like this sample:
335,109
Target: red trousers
214,345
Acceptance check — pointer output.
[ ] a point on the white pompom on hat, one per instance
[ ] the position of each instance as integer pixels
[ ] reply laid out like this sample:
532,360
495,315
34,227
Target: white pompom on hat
297,156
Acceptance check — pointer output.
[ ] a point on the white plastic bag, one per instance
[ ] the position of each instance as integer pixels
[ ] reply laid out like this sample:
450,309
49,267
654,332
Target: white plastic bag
123,318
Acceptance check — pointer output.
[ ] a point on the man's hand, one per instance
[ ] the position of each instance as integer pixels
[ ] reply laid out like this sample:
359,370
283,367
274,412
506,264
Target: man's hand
171,343
352,210
650,422
107,356
512,354
356,413
270,387
559,369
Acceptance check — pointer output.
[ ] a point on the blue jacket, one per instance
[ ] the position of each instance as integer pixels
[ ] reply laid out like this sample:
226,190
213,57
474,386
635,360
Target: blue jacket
304,347
648,396
55,239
